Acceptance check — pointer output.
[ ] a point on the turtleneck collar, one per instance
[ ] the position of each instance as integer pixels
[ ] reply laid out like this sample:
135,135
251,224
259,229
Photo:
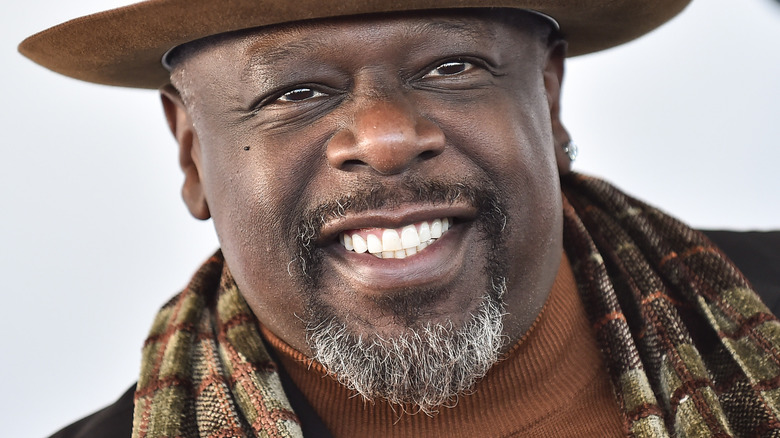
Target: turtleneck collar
550,383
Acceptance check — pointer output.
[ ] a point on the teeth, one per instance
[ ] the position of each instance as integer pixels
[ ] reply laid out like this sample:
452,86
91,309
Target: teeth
359,243
436,229
392,245
425,232
374,244
409,237
348,242
391,241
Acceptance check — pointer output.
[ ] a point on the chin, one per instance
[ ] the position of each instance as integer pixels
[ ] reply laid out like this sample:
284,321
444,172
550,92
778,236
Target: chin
422,366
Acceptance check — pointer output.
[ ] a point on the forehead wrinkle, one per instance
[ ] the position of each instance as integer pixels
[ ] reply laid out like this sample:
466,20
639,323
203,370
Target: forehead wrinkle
263,58
267,50
455,27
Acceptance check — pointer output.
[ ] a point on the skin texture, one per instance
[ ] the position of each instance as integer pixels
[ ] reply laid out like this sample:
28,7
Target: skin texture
273,123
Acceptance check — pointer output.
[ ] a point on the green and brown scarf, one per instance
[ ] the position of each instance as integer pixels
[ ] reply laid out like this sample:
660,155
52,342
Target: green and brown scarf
690,349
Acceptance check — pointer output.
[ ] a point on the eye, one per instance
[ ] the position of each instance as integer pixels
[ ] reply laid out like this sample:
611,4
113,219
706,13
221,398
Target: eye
450,68
299,95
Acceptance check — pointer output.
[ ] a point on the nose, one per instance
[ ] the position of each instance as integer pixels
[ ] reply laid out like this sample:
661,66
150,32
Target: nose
387,136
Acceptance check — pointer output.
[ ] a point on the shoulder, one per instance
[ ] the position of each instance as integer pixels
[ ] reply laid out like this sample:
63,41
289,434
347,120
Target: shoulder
114,421
757,255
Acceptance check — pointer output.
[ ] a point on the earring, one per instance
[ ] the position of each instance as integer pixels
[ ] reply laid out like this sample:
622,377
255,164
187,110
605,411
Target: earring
570,149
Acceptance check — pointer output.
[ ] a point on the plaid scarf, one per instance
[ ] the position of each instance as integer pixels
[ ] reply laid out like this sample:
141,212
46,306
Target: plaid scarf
690,349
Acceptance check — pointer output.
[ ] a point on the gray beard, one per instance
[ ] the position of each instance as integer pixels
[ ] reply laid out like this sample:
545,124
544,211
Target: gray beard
420,370
429,364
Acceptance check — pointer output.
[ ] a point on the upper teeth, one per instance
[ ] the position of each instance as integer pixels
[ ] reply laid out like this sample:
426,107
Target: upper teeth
395,243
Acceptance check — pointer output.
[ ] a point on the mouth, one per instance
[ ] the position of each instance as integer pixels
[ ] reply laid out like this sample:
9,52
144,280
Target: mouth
383,251
395,243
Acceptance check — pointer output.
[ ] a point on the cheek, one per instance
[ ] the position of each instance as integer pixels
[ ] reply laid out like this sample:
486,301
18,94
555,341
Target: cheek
510,141
509,136
530,172
255,197
255,183
246,219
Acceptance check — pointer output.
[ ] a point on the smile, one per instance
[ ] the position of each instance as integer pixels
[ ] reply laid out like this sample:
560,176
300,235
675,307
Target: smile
385,252
395,243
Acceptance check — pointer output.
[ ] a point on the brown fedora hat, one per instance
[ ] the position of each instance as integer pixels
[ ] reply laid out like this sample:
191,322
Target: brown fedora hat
124,46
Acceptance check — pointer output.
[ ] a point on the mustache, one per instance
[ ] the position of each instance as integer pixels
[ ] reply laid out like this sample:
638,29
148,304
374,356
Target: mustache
483,196
380,196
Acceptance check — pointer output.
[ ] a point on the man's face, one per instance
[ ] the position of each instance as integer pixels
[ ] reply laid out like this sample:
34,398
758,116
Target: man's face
327,151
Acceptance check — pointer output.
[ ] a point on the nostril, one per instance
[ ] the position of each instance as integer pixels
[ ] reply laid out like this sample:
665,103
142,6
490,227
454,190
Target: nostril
426,155
387,136
352,162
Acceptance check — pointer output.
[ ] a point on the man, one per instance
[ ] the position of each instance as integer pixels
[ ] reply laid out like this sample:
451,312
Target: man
385,186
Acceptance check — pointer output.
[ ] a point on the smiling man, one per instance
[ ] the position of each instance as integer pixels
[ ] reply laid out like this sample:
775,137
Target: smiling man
404,250
350,147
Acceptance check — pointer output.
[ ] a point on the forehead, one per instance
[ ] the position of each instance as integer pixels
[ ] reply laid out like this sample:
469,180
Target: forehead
272,44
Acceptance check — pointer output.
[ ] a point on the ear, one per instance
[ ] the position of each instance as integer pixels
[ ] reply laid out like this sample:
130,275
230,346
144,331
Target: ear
553,80
180,124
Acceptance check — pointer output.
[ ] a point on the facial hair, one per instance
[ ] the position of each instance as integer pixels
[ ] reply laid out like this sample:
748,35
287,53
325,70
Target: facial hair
429,364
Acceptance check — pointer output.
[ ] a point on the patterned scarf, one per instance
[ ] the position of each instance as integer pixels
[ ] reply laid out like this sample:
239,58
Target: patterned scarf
690,350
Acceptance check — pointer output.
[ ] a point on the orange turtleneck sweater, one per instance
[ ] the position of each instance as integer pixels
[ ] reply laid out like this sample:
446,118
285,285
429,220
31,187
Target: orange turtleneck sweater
552,383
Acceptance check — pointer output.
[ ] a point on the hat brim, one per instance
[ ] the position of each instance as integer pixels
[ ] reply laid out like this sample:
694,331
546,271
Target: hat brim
125,46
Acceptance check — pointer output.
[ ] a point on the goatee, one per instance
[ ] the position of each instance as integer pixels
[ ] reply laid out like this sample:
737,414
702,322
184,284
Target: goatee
428,364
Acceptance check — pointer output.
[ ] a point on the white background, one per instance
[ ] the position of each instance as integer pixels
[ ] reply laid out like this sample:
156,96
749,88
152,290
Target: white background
94,237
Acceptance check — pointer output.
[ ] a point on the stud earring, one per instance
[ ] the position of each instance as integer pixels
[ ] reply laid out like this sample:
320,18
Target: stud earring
570,149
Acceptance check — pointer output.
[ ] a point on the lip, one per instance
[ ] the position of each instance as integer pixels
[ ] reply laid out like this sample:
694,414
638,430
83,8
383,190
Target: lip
437,266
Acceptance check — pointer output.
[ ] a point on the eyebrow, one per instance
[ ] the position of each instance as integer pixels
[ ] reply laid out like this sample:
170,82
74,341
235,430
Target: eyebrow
269,57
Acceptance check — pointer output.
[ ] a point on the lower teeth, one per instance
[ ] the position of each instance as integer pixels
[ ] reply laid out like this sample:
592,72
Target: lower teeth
404,252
